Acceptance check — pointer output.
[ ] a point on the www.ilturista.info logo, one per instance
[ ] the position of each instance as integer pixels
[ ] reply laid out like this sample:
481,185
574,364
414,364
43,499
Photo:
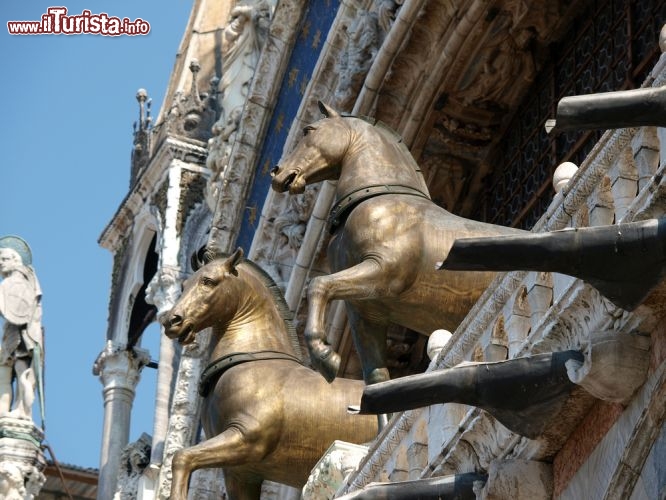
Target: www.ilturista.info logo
56,22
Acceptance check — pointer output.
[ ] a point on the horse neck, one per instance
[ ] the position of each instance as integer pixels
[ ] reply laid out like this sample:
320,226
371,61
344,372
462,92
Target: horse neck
256,325
373,159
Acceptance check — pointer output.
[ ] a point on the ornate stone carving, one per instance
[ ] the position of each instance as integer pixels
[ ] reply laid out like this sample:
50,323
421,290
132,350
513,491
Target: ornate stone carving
290,225
219,149
503,60
518,479
387,11
142,135
119,367
11,482
207,483
192,115
133,461
614,367
184,418
242,40
539,17
164,289
355,61
21,459
330,472
16,484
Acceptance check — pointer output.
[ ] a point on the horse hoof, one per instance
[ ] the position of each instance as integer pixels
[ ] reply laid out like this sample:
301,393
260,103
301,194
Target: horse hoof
332,367
329,365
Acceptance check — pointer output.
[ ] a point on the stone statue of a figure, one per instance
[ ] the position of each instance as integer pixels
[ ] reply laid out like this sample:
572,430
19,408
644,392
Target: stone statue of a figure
21,349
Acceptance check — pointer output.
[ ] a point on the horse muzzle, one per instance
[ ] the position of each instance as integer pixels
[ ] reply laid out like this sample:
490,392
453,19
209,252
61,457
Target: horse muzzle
176,328
285,180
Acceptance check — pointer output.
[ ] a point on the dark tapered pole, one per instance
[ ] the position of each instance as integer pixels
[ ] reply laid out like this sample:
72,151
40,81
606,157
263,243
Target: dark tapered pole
524,393
607,110
624,261
457,487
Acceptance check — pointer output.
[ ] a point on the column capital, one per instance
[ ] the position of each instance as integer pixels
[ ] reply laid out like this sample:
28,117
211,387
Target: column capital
118,366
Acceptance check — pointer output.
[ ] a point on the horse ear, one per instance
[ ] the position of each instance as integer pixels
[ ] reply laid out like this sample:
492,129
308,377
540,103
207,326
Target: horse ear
327,111
204,256
200,258
235,259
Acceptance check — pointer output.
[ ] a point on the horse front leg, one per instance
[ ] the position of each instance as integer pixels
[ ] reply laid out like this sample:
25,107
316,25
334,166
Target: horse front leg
227,449
365,280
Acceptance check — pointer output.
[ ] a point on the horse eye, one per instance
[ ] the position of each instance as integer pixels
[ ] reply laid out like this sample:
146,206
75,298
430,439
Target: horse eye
307,130
207,281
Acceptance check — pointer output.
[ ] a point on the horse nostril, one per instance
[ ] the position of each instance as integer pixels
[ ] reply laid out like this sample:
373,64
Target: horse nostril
275,170
175,320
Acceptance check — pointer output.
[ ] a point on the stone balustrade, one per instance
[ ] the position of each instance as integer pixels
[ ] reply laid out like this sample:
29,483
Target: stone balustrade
524,313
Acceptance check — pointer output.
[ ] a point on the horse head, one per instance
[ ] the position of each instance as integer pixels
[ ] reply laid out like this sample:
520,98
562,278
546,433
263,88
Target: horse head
317,156
208,298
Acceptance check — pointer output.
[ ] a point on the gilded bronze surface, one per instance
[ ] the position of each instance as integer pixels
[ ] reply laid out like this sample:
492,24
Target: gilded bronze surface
269,418
385,245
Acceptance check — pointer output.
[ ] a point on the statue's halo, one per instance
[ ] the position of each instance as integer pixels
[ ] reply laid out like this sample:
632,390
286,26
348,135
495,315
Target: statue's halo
19,245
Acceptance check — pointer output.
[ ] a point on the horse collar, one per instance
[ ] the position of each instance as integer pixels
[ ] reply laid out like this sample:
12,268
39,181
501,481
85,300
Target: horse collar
216,369
347,203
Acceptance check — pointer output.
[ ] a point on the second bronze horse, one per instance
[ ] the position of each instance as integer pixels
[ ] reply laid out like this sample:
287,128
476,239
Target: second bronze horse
388,237
265,415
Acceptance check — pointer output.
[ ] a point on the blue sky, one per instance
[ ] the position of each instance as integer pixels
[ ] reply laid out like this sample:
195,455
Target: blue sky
69,106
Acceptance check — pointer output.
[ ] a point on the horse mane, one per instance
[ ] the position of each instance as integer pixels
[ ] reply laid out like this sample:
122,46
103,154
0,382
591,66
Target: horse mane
393,136
278,298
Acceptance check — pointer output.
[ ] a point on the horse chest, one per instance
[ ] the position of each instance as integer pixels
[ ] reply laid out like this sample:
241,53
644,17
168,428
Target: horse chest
247,392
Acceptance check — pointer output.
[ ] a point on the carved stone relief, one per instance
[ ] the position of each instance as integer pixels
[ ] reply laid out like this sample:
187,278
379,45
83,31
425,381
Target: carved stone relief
20,481
356,59
502,68
329,473
242,40
133,461
184,418
540,17
192,188
387,10
290,225
164,289
192,114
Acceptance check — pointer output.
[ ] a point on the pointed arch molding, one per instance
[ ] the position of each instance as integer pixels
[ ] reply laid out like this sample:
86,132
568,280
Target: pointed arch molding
142,216
132,280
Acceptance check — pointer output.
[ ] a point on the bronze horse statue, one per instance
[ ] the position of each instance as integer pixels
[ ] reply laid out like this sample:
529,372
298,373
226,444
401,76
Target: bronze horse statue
387,238
266,415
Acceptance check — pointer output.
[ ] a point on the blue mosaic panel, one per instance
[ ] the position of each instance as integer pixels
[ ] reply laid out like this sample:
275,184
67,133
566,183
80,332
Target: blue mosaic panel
313,30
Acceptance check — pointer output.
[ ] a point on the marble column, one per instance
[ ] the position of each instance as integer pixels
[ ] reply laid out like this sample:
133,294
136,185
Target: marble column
118,369
162,291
